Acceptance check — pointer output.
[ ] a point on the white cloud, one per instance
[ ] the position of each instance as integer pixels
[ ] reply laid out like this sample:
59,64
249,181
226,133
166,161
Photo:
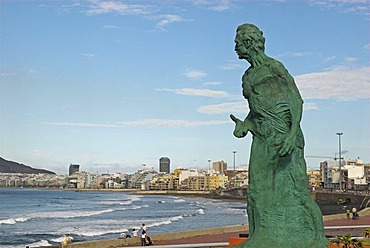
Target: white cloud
231,107
338,84
327,59
168,19
215,5
198,92
195,74
295,54
212,83
350,59
221,5
88,55
104,7
230,66
32,71
7,74
80,124
111,27
352,6
142,123
240,107
310,106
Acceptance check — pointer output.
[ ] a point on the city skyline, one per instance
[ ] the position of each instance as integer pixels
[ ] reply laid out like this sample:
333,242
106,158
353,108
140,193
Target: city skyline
113,85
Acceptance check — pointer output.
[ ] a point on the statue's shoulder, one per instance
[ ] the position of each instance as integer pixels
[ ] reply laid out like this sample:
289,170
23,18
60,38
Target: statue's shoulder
277,67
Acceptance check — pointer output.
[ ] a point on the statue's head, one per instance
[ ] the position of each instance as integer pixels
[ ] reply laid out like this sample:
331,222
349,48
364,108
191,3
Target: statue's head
248,37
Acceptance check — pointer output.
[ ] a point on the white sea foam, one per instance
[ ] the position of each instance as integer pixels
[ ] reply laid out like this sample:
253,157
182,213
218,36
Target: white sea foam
60,239
13,221
40,243
55,214
199,211
166,222
121,203
98,232
178,200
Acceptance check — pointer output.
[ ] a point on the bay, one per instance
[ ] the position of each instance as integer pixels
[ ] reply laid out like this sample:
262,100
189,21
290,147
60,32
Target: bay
42,217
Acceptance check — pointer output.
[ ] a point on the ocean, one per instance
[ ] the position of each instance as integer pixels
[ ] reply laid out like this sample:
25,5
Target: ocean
42,217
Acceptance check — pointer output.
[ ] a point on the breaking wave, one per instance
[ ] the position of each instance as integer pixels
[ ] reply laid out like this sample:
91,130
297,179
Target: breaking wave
55,215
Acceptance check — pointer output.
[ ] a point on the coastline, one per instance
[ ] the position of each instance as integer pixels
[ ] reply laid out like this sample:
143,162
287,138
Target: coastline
218,234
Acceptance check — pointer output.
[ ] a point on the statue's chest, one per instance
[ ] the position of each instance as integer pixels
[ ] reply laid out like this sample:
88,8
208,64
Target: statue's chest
257,82
263,87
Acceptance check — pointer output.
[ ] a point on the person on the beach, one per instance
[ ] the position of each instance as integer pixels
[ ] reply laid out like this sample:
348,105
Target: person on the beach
143,238
134,232
144,227
124,236
148,241
67,240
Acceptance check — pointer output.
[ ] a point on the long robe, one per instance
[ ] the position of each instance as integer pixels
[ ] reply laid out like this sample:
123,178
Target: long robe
281,212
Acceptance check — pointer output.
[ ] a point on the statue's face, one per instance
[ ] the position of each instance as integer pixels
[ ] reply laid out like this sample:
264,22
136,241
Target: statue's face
242,46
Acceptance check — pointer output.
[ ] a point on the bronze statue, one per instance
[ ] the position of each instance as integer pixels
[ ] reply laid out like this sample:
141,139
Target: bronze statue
281,212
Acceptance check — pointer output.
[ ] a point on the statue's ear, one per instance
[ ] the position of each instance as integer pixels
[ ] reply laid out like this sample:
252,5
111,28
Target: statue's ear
247,42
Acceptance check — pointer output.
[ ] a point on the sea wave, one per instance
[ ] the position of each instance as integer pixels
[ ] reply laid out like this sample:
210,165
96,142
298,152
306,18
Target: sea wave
55,215
166,222
199,211
40,243
121,203
98,232
13,221
59,239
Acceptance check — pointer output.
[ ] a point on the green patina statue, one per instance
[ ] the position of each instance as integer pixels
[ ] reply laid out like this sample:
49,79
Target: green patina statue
281,212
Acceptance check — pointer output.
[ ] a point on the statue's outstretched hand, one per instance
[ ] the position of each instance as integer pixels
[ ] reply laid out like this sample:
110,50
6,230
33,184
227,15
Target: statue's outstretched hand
241,129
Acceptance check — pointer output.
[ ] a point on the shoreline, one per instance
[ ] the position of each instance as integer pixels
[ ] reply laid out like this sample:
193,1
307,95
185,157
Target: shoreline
209,235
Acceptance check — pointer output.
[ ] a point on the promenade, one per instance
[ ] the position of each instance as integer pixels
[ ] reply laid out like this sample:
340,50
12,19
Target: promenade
211,238
333,226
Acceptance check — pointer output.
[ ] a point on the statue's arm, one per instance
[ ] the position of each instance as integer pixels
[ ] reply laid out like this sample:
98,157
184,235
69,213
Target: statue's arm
242,127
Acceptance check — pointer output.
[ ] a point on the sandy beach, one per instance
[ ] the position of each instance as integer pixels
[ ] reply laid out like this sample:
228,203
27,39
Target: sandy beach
217,235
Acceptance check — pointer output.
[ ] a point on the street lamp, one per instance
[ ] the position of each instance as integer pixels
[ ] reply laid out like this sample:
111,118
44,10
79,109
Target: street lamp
234,159
340,160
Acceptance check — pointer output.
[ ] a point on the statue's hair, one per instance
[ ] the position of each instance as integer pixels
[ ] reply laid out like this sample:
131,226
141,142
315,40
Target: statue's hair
253,32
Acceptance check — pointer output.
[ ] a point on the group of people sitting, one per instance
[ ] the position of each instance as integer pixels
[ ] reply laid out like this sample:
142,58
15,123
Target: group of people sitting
145,239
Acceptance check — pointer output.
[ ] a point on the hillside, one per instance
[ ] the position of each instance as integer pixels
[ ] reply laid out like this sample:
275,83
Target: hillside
14,167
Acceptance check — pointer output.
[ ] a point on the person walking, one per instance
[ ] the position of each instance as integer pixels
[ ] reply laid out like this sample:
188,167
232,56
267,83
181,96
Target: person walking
348,212
143,238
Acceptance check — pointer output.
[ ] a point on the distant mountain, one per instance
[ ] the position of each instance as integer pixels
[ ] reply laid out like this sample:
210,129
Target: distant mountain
14,167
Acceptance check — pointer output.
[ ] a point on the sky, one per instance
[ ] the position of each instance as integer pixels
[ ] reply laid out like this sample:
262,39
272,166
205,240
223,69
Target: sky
116,85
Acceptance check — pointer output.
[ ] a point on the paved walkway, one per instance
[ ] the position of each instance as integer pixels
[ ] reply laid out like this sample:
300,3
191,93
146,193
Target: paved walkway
364,220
